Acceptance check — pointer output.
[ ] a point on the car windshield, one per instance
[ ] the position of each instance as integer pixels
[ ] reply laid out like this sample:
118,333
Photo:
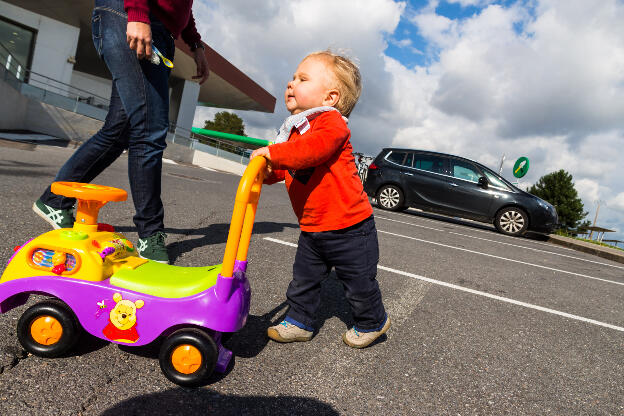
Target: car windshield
495,181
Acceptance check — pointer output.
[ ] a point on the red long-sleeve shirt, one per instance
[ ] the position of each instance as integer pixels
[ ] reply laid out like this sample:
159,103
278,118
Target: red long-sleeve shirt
176,15
321,178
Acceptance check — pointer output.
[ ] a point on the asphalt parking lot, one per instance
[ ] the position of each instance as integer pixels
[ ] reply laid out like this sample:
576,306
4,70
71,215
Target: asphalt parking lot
482,323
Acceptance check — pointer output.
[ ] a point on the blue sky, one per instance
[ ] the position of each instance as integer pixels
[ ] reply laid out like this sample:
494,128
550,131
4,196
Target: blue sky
476,78
420,52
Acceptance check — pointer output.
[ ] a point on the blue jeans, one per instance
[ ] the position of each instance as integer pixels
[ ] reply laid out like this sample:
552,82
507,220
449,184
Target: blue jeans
137,118
354,253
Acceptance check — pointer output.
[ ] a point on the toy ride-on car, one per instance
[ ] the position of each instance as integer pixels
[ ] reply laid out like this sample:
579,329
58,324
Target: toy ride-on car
95,281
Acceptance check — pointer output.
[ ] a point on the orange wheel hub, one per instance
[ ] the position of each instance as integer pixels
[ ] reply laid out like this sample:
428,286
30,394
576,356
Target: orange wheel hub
186,359
46,330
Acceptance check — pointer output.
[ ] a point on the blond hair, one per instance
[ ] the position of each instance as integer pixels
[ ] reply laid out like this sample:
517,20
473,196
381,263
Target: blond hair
348,76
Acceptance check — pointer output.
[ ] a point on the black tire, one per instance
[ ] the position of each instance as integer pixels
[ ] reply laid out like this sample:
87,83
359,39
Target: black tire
390,197
63,315
512,221
207,349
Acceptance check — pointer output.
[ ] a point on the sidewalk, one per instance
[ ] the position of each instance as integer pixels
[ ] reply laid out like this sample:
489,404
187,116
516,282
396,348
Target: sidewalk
595,249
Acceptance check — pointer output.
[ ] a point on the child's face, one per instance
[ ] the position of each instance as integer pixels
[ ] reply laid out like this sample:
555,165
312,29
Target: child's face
311,86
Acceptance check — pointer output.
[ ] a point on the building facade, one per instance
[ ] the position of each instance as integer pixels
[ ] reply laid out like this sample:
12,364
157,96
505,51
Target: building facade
46,46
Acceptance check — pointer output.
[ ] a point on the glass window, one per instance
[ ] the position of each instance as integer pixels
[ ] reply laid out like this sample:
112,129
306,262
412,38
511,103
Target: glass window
396,157
464,170
16,47
495,181
409,159
430,163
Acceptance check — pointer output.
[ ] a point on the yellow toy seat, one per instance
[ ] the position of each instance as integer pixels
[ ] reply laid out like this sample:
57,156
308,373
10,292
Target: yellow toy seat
162,280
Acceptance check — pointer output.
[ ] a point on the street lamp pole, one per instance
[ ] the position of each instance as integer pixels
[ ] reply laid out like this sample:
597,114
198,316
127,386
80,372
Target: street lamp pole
595,218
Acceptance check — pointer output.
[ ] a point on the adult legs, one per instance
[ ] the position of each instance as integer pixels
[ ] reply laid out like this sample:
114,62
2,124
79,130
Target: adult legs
137,119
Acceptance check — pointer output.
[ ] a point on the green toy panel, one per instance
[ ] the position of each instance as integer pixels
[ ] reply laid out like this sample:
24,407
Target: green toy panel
166,281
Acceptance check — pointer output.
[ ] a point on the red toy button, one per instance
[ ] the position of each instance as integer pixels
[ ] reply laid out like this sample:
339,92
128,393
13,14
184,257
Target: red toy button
58,269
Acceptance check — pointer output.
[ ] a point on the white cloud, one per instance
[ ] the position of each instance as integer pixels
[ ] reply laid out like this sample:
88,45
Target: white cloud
465,3
617,202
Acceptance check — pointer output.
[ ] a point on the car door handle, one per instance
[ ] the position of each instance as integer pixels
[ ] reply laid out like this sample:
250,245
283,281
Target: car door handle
408,173
453,184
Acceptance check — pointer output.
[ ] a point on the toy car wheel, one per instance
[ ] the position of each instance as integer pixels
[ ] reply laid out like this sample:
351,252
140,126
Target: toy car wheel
188,357
48,329
390,197
512,221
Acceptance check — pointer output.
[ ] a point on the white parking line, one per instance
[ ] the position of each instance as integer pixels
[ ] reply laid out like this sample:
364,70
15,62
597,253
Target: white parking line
479,293
507,244
502,258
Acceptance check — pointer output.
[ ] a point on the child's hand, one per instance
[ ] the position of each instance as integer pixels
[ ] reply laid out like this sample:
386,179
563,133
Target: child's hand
263,151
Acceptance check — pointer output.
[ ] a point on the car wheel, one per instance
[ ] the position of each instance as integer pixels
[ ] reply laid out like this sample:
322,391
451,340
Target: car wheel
48,329
188,357
511,221
390,197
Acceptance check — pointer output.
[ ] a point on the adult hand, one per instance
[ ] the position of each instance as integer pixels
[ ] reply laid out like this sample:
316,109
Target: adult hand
139,38
203,69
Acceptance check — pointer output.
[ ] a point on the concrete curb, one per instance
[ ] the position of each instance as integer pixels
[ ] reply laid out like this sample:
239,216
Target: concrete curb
600,251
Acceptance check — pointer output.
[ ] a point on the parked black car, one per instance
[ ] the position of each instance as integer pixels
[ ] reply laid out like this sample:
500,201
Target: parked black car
453,185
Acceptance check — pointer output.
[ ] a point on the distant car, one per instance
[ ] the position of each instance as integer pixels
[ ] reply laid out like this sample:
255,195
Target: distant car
453,185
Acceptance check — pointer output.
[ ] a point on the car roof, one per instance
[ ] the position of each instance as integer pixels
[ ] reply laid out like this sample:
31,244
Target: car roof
401,149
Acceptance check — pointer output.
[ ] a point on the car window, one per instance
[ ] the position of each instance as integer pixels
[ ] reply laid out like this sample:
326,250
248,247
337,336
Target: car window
429,162
409,160
464,170
494,181
396,157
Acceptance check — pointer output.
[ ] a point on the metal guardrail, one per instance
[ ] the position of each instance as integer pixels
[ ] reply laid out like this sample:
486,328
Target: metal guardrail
77,100
210,145
28,77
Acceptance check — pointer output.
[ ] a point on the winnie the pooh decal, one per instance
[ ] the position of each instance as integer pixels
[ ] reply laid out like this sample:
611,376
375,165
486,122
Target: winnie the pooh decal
122,323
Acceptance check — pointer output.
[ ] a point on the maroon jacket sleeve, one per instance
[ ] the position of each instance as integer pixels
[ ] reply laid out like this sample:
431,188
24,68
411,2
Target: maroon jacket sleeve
189,34
328,134
138,10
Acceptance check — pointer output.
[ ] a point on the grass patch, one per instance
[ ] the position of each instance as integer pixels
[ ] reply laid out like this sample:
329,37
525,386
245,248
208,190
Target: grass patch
563,233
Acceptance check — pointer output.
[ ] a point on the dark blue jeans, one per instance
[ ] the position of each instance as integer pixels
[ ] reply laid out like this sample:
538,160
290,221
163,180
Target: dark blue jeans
137,119
354,253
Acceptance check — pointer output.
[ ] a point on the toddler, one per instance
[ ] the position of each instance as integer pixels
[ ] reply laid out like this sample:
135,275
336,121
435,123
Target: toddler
313,154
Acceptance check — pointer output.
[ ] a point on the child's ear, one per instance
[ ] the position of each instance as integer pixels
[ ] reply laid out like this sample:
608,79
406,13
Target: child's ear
331,98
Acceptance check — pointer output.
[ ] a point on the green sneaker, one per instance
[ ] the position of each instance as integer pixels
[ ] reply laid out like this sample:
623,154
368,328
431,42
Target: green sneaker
57,218
153,248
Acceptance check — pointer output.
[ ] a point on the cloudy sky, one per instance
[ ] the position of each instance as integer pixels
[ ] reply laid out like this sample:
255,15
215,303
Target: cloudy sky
476,78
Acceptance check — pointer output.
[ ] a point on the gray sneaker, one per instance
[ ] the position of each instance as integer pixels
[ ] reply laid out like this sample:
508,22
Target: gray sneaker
287,332
153,248
57,218
357,339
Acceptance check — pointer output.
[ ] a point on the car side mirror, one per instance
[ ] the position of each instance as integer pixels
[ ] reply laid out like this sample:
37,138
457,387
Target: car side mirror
483,182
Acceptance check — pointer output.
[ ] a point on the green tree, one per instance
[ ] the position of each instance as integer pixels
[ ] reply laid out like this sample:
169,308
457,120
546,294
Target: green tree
226,122
558,189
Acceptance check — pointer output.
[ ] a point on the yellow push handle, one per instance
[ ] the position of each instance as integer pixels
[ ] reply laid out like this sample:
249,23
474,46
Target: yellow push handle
245,206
